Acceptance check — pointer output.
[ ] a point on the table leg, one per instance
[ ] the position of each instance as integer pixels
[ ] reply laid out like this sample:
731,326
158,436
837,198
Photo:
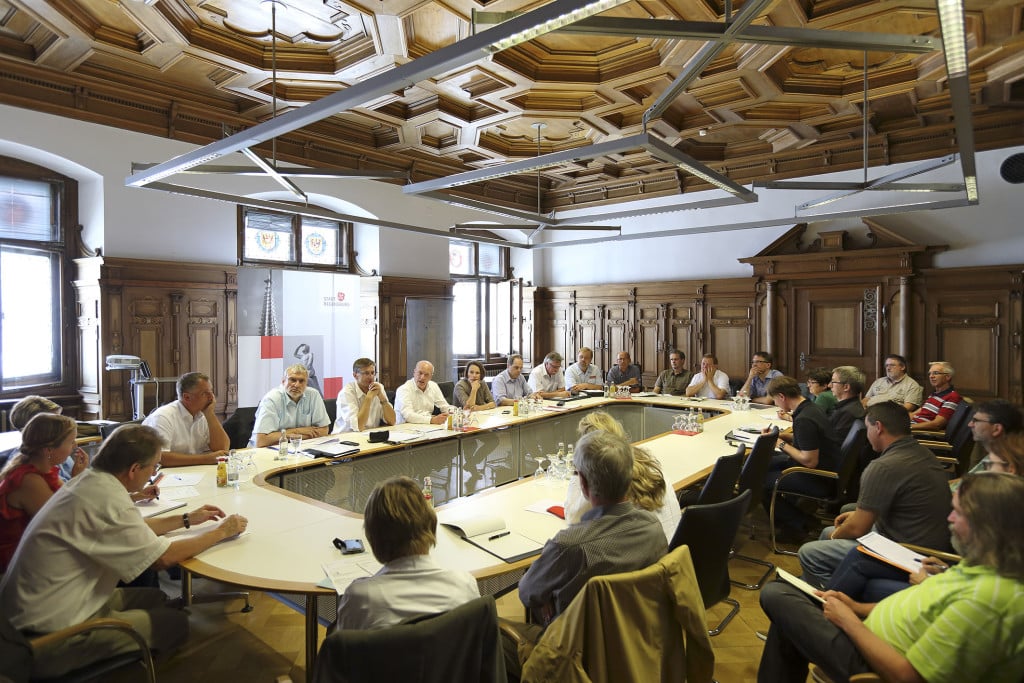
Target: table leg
186,587
311,633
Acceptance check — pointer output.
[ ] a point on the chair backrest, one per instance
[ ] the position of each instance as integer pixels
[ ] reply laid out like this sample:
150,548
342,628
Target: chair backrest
721,483
755,469
850,454
458,646
961,416
108,429
239,426
448,390
331,406
709,531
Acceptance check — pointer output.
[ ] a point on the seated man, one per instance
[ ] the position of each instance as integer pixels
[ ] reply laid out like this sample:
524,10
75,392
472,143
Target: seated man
904,495
847,384
420,400
895,386
583,374
935,412
401,527
710,382
615,536
547,380
964,624
510,385
812,443
363,404
88,537
292,409
674,380
761,372
992,422
191,431
625,374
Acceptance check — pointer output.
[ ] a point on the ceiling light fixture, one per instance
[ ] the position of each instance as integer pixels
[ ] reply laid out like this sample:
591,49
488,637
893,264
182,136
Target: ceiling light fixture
554,24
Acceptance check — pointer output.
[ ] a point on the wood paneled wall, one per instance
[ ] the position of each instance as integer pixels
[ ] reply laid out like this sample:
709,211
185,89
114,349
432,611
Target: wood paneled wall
392,367
178,317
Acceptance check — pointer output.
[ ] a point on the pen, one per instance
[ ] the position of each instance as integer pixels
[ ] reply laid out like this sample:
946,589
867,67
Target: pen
497,536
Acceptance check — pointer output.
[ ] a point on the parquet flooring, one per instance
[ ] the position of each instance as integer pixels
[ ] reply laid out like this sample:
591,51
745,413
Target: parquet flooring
267,643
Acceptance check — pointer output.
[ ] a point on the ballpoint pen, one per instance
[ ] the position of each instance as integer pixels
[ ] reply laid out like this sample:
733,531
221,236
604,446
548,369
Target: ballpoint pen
497,536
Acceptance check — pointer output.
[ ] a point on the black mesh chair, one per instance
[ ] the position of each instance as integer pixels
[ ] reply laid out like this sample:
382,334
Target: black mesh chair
108,429
720,484
751,479
448,391
849,455
953,446
709,531
331,406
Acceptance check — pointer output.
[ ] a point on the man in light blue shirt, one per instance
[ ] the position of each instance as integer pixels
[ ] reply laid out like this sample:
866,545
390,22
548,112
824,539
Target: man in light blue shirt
510,385
293,409
761,372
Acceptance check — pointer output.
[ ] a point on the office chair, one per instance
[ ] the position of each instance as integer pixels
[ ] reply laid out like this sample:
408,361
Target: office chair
751,479
709,531
855,443
18,652
720,484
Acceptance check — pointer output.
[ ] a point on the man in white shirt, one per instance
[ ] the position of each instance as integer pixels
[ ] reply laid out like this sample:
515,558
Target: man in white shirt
547,380
583,374
88,537
363,404
292,409
710,382
420,399
191,431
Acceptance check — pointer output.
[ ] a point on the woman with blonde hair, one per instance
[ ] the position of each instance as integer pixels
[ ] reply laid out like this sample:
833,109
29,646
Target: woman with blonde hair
32,476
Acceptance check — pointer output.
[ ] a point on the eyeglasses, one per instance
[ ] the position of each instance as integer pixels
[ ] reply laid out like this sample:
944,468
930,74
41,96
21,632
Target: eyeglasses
988,463
758,361
835,381
981,419
937,373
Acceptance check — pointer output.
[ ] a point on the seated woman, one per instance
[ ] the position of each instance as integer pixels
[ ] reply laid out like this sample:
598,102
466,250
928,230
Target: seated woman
819,385
649,490
401,528
866,579
31,477
471,393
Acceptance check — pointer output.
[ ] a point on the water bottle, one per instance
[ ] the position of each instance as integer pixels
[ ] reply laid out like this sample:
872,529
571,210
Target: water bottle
232,469
282,446
700,420
428,491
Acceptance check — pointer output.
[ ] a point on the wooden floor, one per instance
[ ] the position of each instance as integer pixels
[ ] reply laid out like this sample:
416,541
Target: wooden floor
267,643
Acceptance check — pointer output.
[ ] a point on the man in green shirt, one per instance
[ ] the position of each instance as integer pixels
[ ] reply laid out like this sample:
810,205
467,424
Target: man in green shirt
965,624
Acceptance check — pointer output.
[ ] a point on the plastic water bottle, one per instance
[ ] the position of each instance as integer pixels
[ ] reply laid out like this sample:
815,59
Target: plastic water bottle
428,491
282,447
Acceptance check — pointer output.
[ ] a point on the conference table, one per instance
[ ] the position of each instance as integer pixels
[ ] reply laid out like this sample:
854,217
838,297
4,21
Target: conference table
298,505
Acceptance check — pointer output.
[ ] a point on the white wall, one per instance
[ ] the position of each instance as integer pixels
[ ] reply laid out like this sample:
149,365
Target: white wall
135,223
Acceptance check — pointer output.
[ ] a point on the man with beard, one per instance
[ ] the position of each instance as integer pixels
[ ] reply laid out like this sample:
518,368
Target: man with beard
293,409
964,624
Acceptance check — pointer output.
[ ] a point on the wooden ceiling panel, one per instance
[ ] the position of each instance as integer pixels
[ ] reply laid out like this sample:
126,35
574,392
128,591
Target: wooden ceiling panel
186,68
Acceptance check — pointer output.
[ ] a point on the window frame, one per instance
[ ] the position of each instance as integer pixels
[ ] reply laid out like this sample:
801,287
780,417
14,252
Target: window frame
345,262
484,303
64,191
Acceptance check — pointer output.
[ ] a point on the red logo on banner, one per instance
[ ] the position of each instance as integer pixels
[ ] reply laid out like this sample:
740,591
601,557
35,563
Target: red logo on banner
332,386
271,347
341,296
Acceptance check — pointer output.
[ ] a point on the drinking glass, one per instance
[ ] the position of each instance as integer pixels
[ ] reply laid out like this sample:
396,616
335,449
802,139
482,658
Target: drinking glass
295,446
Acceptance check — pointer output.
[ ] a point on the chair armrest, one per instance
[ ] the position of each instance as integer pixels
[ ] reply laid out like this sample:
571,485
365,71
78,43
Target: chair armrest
943,446
944,556
929,434
50,639
808,470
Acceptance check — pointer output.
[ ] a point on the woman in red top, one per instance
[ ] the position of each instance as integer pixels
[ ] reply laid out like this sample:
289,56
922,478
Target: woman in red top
31,476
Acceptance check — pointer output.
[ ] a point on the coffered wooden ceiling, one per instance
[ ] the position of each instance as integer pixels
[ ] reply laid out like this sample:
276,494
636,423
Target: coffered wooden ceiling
196,70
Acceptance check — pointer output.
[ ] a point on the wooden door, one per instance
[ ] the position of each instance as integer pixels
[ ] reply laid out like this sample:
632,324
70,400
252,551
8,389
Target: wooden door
617,335
650,343
836,325
588,331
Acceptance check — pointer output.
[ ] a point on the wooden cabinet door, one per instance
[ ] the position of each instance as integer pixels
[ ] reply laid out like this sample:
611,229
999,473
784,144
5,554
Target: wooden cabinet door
650,343
617,330
588,331
836,325
682,333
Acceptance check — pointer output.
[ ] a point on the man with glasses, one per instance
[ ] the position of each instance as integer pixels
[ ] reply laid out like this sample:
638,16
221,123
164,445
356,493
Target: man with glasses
940,406
761,372
895,386
363,404
992,422
191,431
847,384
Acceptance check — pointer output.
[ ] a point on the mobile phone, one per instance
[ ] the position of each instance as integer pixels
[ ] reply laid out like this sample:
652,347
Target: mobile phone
350,546
348,443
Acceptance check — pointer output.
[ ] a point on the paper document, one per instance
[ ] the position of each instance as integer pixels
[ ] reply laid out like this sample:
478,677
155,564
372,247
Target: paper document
328,447
797,582
179,492
402,437
151,508
169,480
343,572
892,552
493,535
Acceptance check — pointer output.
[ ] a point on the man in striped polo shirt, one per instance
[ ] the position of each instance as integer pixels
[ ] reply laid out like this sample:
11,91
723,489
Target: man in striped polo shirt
936,410
964,624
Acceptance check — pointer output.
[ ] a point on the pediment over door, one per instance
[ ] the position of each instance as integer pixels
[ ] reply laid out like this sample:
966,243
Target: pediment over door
879,252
